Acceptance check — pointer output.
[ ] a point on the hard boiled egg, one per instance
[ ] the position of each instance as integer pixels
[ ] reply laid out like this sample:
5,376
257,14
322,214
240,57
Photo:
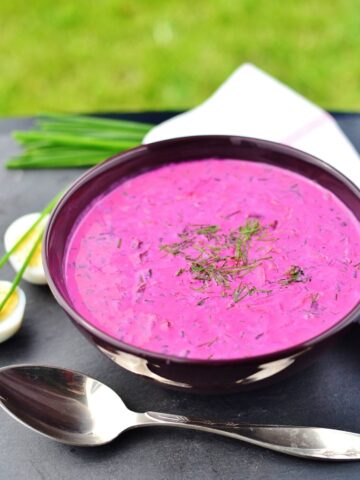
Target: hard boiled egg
12,314
35,271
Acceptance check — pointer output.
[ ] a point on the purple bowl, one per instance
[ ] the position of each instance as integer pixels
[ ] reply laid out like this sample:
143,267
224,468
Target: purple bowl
204,376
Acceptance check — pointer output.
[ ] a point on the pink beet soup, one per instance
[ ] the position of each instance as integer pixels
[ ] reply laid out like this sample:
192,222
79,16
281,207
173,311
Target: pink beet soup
215,259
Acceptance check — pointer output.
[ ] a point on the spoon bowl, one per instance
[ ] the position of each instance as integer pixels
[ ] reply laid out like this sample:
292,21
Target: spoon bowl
64,405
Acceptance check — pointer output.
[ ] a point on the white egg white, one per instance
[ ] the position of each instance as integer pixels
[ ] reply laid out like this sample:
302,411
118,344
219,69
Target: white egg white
13,321
34,273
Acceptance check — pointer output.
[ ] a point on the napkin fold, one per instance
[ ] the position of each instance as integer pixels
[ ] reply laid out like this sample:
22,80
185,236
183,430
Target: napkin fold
252,103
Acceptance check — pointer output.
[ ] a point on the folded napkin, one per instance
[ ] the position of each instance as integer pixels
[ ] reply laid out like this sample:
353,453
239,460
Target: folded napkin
252,103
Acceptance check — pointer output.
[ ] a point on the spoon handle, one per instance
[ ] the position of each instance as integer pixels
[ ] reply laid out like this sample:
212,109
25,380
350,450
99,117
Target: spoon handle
306,442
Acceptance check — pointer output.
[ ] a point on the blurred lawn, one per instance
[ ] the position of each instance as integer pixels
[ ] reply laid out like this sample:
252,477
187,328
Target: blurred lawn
83,55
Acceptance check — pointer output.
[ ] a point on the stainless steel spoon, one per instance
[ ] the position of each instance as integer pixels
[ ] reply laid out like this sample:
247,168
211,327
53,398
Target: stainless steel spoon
72,408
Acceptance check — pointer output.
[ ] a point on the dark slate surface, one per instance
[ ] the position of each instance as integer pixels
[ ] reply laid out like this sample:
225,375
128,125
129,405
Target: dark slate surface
326,394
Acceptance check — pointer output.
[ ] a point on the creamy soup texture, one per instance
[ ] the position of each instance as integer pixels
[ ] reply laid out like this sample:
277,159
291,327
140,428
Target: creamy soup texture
215,259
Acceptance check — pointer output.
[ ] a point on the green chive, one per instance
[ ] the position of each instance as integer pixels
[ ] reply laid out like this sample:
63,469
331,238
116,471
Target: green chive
46,211
64,141
20,273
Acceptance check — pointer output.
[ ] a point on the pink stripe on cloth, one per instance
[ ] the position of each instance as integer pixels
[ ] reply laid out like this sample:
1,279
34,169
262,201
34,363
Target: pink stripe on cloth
307,128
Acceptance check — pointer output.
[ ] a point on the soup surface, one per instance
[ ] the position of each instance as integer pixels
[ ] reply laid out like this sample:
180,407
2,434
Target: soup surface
215,259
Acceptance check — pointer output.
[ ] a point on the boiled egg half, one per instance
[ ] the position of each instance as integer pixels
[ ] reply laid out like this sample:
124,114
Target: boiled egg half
34,273
12,314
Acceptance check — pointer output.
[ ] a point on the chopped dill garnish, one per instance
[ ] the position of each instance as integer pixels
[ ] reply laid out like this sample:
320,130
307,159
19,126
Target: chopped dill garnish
209,342
141,285
295,274
314,300
232,214
202,301
141,288
208,229
237,293
143,255
243,291
173,249
240,251
246,232
274,224
180,272
217,257
252,290
252,227
136,244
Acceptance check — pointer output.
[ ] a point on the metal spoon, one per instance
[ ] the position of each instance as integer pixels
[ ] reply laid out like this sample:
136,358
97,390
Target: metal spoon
72,408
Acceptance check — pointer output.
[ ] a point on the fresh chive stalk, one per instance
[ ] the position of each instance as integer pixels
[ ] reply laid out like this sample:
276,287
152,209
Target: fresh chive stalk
20,273
70,141
48,209
78,161
98,122
28,138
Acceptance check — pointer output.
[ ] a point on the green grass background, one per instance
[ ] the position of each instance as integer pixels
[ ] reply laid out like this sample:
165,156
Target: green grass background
108,55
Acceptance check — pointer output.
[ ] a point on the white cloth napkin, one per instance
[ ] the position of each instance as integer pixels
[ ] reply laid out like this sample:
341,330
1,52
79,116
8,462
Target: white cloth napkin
254,104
